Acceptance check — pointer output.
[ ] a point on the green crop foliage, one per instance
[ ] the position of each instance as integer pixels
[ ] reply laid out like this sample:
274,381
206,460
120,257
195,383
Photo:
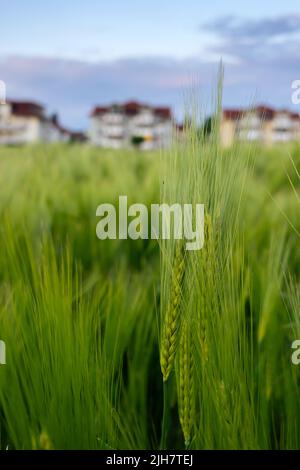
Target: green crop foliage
89,324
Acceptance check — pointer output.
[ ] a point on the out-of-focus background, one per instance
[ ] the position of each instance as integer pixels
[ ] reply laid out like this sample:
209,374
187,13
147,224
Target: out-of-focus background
71,57
90,93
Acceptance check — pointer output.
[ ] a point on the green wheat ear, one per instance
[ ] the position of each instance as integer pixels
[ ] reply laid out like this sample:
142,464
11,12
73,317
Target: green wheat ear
43,443
186,388
207,258
171,323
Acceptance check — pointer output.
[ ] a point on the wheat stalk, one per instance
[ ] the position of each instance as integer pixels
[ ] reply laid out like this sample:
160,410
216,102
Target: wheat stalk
223,404
171,323
207,257
186,399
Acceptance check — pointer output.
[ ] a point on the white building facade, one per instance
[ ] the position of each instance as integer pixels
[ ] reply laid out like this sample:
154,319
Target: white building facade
25,122
131,124
260,123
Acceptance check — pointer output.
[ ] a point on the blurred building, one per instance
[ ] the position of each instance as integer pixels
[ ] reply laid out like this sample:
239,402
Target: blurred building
260,123
24,122
131,124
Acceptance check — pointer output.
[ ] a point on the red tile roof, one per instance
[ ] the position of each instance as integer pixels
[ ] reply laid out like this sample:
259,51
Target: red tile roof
131,108
233,114
99,110
163,112
263,112
27,108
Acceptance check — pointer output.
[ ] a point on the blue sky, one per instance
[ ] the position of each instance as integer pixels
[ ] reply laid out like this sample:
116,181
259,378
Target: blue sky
71,55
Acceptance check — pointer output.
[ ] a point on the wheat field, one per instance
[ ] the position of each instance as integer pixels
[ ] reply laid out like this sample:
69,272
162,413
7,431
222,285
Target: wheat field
139,344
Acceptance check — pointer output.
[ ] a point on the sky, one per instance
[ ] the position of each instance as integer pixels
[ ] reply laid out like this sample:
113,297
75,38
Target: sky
72,55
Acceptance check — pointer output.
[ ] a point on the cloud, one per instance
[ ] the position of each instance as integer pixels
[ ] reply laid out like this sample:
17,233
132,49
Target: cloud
256,41
74,87
265,55
233,28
